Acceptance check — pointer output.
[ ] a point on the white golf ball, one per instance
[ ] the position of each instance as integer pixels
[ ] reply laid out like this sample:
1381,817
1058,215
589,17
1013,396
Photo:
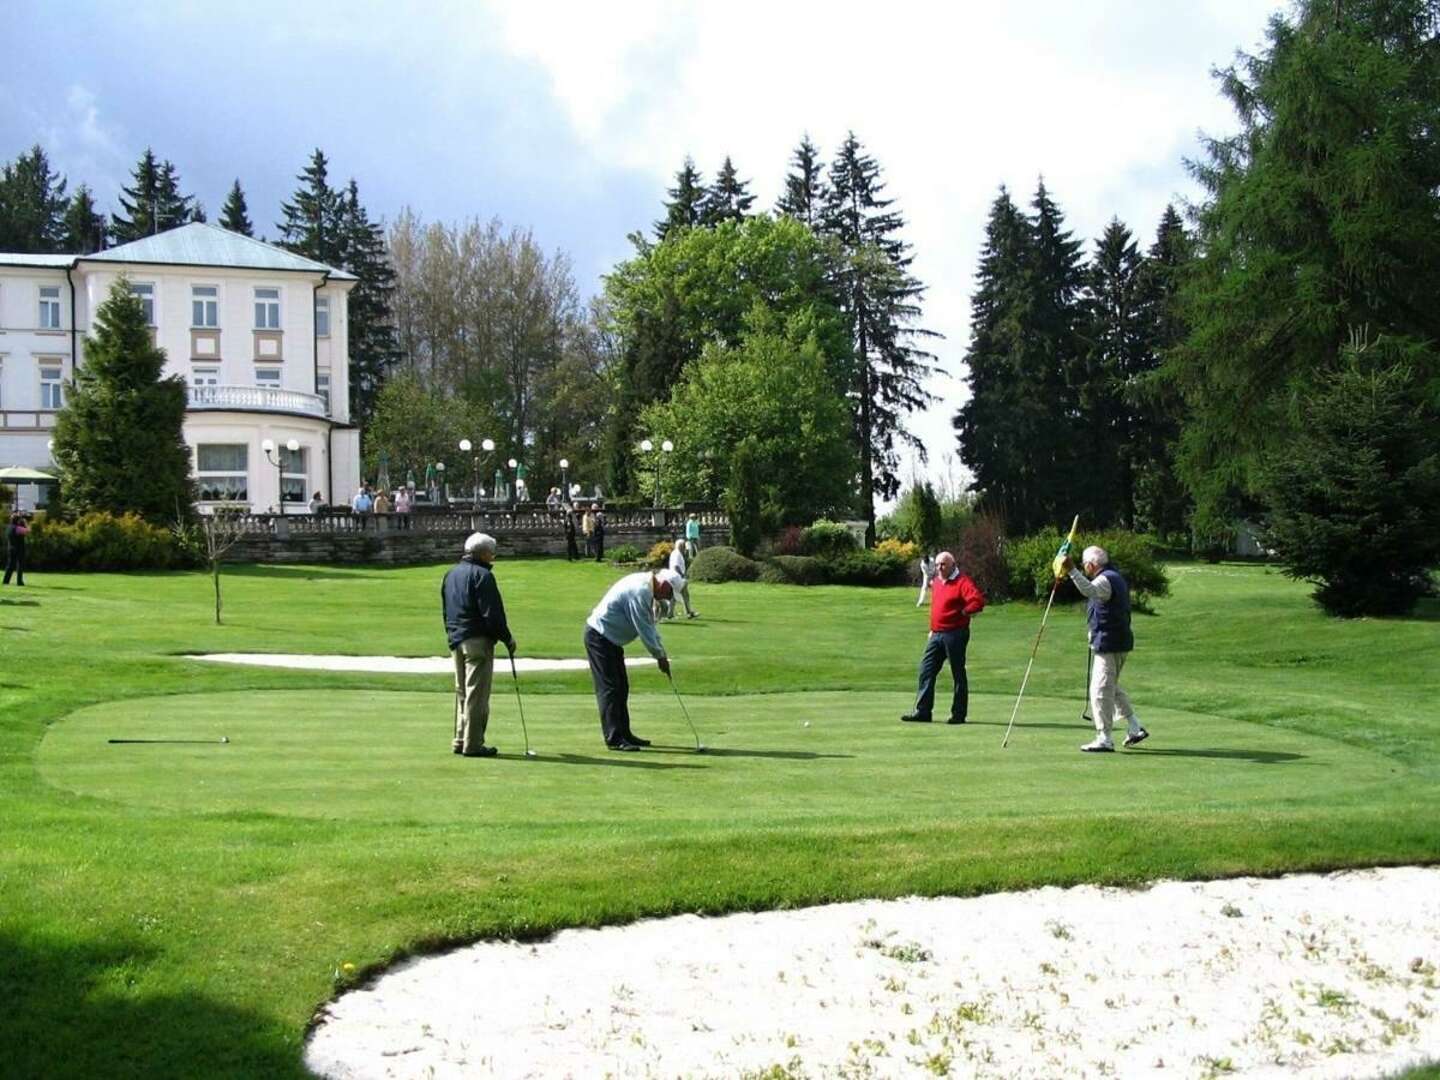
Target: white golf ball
807,723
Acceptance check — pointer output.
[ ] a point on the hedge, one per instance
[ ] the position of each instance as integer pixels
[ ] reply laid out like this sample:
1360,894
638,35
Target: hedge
717,564
103,541
1031,560
793,570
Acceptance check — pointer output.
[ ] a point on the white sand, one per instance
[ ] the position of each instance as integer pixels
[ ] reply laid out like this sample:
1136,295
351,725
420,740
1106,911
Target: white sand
1313,976
392,665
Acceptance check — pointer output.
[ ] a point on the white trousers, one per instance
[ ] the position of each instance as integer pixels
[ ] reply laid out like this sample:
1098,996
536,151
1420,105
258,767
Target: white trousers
1106,697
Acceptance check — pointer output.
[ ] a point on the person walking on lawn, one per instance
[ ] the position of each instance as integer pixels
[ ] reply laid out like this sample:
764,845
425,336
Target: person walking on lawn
474,622
1112,641
954,599
627,611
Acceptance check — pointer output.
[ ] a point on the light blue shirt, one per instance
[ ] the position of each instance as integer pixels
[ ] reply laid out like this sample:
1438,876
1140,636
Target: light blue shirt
625,613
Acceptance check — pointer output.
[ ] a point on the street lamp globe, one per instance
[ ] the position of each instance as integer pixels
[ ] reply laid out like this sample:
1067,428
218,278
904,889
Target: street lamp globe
564,463
487,445
646,445
512,463
268,445
293,445
667,446
464,446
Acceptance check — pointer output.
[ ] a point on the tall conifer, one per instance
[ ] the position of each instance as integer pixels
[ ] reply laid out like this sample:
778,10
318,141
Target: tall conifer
687,198
804,195
373,350
85,227
32,205
312,221
728,199
235,215
153,203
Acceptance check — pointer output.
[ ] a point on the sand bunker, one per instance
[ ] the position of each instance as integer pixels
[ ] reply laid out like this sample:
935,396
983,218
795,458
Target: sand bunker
1308,975
391,665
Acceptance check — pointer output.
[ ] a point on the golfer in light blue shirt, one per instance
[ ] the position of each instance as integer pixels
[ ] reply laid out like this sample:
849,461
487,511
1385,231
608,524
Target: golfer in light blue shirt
626,612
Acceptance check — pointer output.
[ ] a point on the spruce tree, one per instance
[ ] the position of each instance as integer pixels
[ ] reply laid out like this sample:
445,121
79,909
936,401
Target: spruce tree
85,227
728,199
32,205
881,299
686,200
235,215
118,439
313,224
804,195
153,203
372,324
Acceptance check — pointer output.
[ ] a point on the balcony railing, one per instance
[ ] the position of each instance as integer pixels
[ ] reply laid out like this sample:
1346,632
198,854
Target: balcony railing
264,398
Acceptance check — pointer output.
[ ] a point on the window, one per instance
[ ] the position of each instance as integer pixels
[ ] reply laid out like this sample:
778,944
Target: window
322,389
267,309
145,290
203,383
51,392
322,316
268,377
204,306
221,474
294,479
50,307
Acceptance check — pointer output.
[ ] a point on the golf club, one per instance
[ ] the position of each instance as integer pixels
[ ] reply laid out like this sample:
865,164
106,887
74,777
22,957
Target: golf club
1089,661
1064,550
205,742
699,747
524,730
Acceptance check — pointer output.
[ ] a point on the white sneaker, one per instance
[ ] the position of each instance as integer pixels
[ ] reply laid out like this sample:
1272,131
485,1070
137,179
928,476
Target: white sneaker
1099,745
1137,736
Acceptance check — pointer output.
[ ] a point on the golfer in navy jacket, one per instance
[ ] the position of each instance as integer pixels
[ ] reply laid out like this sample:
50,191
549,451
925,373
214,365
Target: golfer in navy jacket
954,598
1111,641
474,622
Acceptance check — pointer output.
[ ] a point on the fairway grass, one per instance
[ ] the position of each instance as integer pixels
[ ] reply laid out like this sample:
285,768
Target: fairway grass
181,909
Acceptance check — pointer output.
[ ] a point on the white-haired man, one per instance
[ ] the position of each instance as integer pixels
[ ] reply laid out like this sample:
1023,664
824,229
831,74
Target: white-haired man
474,622
627,611
1111,640
954,600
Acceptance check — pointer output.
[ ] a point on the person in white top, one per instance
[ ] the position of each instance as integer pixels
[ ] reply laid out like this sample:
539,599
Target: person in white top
678,556
927,571
625,612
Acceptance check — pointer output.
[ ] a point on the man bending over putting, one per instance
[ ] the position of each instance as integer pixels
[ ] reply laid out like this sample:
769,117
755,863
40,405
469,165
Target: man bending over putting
954,598
474,622
626,612
1111,641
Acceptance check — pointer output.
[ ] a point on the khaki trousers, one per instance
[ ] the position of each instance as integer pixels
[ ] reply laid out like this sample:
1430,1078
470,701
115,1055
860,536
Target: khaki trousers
474,669
1106,697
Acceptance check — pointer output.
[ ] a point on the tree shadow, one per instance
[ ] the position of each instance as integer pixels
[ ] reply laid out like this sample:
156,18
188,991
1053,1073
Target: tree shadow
1259,757
19,603
279,570
17,629
65,1016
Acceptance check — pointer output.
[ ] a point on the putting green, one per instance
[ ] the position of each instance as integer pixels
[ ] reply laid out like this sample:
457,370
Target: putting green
385,756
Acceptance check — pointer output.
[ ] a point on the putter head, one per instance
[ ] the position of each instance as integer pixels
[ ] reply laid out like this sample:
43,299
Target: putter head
531,754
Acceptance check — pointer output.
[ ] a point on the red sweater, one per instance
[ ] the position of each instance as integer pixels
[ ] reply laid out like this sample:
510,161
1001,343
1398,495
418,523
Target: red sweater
953,602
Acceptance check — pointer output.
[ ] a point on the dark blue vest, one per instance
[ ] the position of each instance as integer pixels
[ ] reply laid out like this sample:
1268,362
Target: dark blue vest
1110,622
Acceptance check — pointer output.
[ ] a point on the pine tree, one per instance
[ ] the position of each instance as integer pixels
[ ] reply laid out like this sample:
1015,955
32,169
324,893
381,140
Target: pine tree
686,199
728,199
85,227
805,193
235,215
373,349
32,205
313,224
153,203
881,299
118,439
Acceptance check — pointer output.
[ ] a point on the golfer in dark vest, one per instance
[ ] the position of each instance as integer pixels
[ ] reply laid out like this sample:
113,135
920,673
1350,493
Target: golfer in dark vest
1111,642
474,622
954,598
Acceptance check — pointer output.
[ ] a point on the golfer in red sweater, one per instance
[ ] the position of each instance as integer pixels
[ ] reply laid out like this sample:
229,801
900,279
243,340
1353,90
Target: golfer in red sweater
954,598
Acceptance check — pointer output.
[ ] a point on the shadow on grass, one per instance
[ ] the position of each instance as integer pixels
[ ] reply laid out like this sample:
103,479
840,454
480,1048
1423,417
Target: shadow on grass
720,751
69,1013
19,603
1259,757
622,761
305,573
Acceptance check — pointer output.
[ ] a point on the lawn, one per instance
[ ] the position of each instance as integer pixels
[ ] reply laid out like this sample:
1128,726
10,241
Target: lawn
182,909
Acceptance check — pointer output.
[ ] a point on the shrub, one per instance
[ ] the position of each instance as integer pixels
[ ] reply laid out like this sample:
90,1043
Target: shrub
917,518
901,549
826,538
103,541
625,553
1031,575
659,556
865,568
793,570
790,541
717,564
980,551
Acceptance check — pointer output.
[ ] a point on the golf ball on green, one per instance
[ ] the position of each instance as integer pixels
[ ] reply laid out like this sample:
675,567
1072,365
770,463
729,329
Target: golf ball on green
807,723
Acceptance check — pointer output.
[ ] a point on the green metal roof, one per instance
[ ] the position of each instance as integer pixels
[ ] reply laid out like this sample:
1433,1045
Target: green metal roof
203,244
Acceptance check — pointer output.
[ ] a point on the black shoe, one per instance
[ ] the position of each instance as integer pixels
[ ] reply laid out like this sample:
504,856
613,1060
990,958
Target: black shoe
622,746
956,720
916,718
484,751
637,740
456,750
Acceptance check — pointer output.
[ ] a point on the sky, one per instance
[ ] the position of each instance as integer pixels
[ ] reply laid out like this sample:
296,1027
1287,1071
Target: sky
570,119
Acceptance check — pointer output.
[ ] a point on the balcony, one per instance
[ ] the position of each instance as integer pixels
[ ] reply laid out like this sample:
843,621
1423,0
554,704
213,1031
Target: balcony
256,399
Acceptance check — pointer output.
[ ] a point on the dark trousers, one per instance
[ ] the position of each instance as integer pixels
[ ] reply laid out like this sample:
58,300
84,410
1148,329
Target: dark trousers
15,564
570,552
944,645
612,685
599,545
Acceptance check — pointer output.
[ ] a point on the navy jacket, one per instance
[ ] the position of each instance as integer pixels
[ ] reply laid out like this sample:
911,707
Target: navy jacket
1110,622
472,604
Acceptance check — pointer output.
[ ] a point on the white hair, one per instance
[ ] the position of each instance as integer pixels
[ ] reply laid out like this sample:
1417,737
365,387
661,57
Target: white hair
477,542
1097,555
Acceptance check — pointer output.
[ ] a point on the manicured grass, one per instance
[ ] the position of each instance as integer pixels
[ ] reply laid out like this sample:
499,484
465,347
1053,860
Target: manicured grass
180,910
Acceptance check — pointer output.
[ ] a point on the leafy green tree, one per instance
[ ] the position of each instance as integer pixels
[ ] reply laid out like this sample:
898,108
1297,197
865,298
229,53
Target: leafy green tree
1322,217
32,205
118,439
687,199
773,391
1353,498
235,215
414,426
728,199
85,227
153,203
742,499
881,301
918,517
804,194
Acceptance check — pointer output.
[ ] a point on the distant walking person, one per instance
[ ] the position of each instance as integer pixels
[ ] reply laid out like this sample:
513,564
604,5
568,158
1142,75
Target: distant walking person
15,534
587,529
571,552
954,599
623,614
927,571
599,534
1111,640
692,534
317,503
474,622
678,556
362,502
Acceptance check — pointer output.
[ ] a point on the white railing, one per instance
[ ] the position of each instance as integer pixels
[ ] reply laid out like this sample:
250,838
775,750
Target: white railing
265,398
299,521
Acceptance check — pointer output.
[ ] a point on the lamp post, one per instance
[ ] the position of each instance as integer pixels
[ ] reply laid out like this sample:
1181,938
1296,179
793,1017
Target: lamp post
440,481
515,481
487,445
565,478
665,447
277,459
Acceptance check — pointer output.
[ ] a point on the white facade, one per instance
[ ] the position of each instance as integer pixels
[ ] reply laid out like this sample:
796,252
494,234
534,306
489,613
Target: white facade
259,335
